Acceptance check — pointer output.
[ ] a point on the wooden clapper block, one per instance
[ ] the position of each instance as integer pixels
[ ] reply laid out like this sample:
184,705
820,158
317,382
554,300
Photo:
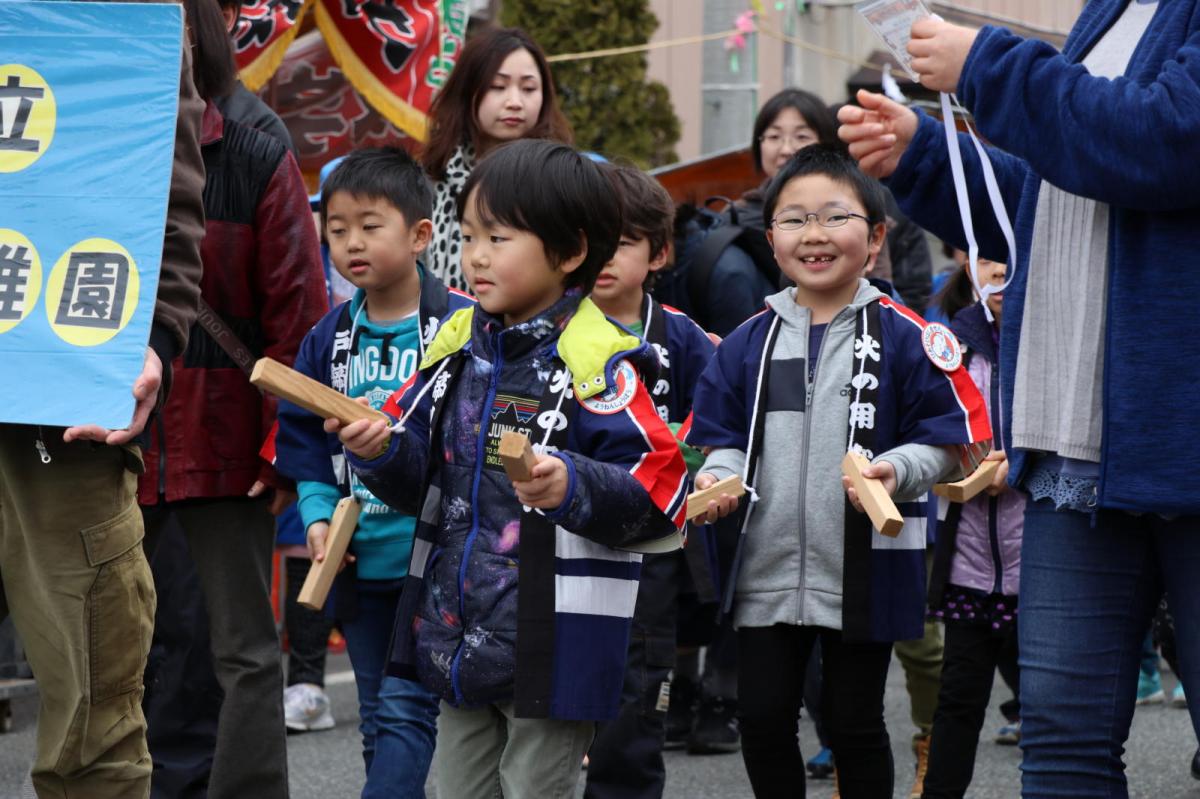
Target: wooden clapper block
697,501
516,453
272,376
885,517
967,489
320,575
518,457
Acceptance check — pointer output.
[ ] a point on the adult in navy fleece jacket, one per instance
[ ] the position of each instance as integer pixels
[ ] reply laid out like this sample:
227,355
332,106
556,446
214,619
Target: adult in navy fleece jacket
1090,582
1130,143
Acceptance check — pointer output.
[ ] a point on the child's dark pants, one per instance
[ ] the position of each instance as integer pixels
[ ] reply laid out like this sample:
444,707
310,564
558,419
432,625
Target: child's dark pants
771,687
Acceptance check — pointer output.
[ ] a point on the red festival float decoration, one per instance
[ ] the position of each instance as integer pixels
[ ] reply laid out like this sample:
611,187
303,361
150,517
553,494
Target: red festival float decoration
364,77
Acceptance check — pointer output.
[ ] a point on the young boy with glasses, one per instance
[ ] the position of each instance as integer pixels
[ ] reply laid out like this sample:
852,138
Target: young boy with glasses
831,365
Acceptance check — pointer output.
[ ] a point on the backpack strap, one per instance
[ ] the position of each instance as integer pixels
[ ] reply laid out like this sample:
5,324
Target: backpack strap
709,252
704,261
220,332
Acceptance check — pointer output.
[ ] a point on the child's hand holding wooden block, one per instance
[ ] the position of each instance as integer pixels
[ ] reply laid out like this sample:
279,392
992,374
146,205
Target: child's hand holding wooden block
321,574
540,481
697,502
517,455
967,489
341,413
876,501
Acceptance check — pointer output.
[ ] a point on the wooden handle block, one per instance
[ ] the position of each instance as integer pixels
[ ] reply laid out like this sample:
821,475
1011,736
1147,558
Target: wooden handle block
320,575
516,453
967,489
874,497
270,375
697,502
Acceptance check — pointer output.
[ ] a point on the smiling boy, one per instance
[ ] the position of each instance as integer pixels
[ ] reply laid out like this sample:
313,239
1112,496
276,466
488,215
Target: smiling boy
831,365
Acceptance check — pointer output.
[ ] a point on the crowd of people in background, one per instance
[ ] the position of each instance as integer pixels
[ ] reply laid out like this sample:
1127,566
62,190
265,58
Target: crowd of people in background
510,634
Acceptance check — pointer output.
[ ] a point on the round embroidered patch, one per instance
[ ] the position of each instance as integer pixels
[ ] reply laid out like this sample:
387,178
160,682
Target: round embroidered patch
617,398
941,347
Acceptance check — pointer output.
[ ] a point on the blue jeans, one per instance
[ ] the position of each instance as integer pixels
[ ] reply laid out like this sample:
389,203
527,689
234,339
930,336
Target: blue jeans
398,718
1088,594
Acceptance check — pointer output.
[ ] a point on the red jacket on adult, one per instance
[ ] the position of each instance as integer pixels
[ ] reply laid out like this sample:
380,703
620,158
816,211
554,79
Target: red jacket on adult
263,276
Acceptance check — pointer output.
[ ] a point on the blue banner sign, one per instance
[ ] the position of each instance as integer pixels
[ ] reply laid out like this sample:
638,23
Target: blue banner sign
88,99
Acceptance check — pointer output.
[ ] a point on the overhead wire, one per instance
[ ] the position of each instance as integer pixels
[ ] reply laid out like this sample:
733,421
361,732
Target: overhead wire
769,30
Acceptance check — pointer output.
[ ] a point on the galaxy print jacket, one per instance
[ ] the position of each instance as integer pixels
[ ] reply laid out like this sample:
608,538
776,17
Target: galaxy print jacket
508,604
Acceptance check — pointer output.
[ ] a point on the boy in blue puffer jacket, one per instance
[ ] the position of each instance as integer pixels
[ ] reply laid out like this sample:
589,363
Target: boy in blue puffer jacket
375,209
520,618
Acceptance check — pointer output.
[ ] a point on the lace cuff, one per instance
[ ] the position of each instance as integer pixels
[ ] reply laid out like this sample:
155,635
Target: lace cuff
1067,492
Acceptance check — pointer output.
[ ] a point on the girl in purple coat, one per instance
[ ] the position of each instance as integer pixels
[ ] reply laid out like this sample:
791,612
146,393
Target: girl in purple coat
973,586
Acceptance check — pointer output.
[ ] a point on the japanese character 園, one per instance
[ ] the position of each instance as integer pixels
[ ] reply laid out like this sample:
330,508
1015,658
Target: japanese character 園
94,290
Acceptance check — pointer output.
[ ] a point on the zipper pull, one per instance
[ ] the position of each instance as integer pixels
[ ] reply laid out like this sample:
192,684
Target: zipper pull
41,448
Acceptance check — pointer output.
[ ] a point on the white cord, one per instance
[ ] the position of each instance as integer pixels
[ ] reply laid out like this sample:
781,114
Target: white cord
964,203
398,427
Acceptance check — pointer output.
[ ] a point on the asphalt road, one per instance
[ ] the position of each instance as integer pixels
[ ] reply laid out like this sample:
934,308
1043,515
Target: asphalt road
328,765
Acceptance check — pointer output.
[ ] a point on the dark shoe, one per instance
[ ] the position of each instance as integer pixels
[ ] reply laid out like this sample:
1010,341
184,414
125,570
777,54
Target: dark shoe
1196,765
681,713
716,730
821,766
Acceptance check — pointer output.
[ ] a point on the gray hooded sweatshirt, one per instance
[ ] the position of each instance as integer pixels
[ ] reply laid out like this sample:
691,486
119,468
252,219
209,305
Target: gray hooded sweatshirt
791,570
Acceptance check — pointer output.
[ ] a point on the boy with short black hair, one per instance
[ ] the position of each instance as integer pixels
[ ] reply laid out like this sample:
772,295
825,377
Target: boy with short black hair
519,618
647,224
375,216
626,757
828,357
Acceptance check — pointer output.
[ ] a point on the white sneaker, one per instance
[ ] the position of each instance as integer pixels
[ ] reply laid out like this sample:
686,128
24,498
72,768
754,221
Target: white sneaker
306,708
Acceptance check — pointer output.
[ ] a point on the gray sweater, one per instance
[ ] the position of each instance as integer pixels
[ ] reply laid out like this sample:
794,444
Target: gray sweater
791,570
1058,403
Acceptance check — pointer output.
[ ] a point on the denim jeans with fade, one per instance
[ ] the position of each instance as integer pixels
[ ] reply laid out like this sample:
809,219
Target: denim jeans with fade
1089,588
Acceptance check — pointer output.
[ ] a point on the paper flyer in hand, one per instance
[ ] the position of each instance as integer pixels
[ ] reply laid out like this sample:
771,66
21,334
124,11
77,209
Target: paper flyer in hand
892,21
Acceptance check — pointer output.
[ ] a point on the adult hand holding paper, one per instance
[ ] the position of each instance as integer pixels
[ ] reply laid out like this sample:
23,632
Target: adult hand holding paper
939,50
892,22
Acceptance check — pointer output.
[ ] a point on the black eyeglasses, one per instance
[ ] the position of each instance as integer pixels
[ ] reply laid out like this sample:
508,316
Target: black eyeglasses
827,217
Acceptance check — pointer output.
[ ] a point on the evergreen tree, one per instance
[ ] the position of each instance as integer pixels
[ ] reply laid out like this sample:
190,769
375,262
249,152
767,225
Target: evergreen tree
612,107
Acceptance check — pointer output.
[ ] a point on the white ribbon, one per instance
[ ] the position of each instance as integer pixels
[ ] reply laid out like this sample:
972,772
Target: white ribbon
398,427
964,202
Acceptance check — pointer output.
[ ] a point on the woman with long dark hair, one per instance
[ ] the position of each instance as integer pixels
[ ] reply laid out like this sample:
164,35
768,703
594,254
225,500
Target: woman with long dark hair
500,90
